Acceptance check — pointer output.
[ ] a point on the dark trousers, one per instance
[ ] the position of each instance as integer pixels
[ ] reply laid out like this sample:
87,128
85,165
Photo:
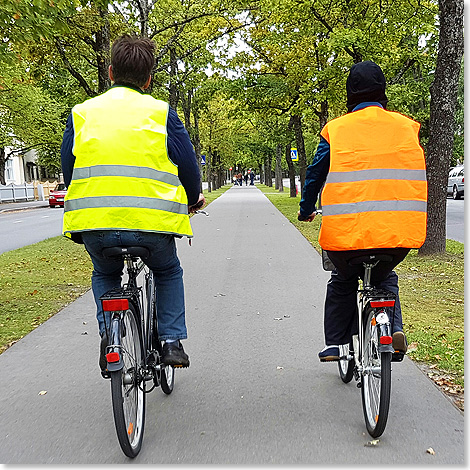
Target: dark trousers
341,301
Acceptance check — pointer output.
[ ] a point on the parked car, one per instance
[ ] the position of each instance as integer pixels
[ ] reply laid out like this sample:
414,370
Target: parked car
56,197
455,182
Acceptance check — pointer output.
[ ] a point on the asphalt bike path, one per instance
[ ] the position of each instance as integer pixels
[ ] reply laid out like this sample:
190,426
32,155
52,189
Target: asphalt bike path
255,392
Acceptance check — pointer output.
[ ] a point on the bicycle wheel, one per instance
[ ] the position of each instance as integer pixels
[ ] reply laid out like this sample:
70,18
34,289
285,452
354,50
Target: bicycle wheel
168,379
127,387
376,379
346,367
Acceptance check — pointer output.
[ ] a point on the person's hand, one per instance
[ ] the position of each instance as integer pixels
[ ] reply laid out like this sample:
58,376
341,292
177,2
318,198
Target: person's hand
199,204
306,219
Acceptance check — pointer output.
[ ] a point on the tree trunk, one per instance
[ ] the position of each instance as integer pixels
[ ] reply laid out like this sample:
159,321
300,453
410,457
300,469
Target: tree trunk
197,142
102,50
441,126
323,115
209,170
268,175
278,169
299,140
3,160
173,89
290,165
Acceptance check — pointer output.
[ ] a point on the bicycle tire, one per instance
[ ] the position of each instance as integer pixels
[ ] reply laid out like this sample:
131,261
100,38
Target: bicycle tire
167,374
128,387
345,367
168,379
376,379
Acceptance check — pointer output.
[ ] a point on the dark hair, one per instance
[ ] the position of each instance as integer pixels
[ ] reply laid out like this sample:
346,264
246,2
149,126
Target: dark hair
132,60
365,82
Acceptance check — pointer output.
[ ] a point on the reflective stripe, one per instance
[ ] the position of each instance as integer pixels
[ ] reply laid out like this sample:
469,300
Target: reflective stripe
376,174
125,201
374,206
125,170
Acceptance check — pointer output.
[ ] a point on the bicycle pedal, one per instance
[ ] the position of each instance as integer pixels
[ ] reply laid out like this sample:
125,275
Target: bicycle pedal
397,356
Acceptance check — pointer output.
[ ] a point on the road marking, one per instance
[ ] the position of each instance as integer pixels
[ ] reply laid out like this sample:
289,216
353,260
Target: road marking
17,221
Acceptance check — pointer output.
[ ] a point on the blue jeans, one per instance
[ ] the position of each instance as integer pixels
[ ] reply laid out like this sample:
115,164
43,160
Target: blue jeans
164,263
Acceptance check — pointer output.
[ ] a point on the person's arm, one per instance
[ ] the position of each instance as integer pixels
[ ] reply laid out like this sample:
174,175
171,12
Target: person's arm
182,154
66,156
316,175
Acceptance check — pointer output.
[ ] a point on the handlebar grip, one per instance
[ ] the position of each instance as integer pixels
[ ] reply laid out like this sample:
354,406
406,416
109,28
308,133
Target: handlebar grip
301,218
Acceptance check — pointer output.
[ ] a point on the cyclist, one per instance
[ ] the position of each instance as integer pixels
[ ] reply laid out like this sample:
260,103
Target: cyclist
374,199
131,173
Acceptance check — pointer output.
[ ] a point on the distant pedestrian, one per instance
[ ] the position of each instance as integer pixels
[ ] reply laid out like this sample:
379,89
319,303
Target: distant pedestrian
252,178
246,179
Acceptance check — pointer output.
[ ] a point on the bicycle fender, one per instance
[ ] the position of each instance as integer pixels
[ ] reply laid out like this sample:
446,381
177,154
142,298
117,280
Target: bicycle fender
115,366
384,348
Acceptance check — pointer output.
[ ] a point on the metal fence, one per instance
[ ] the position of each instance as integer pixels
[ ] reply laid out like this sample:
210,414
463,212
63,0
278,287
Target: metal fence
16,192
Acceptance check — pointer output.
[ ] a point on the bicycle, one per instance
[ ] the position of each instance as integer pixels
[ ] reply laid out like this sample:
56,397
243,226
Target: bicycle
369,354
134,351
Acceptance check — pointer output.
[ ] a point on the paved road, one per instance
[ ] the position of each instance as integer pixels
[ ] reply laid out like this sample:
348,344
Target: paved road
456,220
255,392
28,226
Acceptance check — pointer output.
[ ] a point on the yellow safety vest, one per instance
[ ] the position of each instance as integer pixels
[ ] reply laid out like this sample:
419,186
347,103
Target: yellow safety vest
123,178
375,194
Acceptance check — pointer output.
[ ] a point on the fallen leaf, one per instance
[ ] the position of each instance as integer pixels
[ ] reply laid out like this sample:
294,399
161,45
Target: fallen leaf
279,367
372,443
431,451
278,319
42,392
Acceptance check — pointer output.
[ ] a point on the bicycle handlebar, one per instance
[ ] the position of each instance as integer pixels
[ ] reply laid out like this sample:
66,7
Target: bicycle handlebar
301,218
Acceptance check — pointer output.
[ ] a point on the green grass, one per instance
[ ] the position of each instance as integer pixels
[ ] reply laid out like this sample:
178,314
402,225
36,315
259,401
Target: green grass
431,295
36,282
39,280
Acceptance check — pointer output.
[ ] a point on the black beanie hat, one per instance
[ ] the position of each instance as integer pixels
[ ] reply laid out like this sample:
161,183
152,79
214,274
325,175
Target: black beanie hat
365,82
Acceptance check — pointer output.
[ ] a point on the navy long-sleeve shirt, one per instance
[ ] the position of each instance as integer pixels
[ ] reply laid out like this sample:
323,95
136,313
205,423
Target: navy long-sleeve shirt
180,151
318,171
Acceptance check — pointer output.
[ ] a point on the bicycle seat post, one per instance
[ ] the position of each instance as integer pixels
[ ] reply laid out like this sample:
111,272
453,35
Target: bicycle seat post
367,274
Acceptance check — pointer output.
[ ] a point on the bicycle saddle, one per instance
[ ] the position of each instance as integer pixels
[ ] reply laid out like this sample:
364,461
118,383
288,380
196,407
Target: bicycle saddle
369,259
119,251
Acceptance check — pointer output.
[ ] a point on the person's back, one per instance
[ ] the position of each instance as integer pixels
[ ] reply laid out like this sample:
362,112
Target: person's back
374,199
376,189
132,173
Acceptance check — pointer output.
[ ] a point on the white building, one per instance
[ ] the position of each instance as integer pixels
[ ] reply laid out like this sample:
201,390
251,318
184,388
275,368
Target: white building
20,169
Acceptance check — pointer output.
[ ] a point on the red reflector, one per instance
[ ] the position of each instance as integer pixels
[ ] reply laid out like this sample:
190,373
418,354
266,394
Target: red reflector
382,303
112,357
383,340
115,304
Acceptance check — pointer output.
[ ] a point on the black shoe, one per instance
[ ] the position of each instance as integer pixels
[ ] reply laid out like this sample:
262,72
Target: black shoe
103,362
174,355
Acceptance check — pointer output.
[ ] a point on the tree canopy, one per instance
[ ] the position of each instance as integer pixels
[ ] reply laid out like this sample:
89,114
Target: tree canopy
248,77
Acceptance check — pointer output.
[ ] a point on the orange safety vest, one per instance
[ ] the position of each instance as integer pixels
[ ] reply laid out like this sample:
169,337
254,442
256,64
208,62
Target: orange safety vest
375,194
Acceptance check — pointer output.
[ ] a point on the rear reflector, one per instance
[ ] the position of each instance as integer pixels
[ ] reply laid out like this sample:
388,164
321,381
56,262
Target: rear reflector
385,340
382,303
112,357
115,304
